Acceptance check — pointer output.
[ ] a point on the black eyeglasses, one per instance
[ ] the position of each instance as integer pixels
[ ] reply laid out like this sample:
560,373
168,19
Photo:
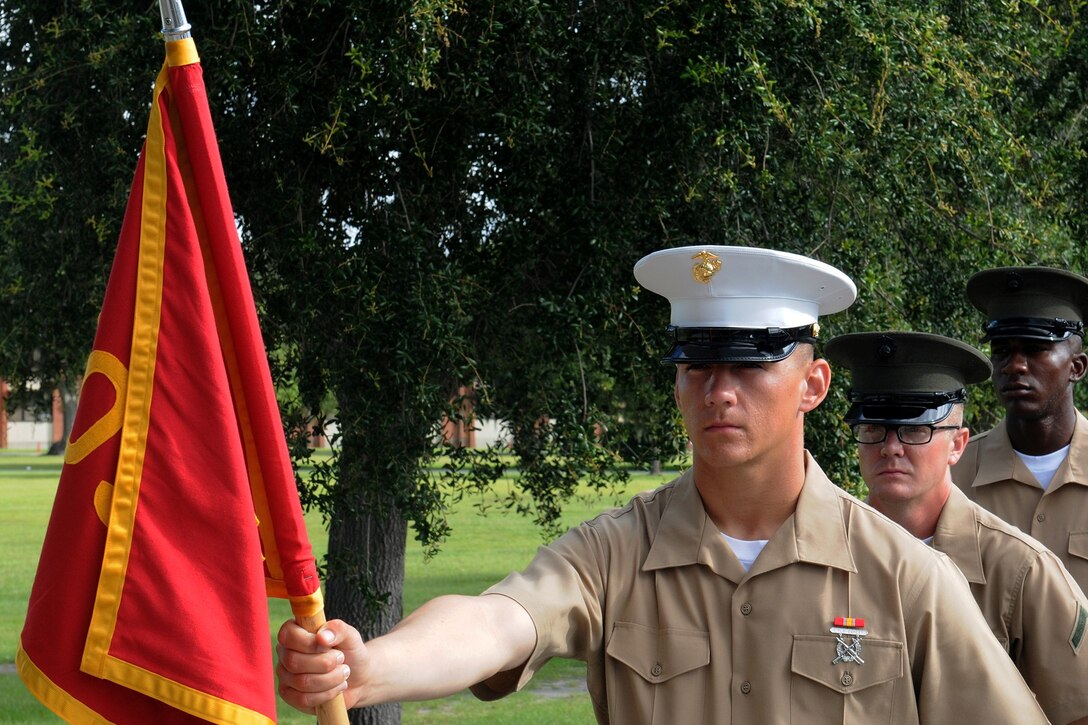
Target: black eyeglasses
909,435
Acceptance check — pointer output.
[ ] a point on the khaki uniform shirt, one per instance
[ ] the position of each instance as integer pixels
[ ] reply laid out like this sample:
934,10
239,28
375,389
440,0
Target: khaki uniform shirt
1030,601
992,475
675,631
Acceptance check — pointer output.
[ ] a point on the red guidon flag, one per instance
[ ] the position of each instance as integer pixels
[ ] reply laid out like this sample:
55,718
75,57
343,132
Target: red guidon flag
177,514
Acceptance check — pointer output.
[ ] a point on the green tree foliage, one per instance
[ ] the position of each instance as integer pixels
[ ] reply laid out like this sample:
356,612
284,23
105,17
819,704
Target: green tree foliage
436,193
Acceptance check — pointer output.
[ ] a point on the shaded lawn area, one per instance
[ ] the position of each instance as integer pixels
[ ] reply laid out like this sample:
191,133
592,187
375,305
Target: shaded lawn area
481,550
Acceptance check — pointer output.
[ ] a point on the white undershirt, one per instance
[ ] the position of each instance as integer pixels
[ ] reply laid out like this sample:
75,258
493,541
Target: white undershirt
1044,467
746,551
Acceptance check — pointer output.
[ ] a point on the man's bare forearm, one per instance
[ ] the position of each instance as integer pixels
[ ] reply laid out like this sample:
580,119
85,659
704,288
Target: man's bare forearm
445,646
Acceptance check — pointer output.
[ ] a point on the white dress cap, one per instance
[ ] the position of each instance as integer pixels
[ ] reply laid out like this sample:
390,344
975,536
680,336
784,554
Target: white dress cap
744,287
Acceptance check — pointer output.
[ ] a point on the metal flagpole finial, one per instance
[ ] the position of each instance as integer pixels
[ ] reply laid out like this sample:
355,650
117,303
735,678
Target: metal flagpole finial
174,24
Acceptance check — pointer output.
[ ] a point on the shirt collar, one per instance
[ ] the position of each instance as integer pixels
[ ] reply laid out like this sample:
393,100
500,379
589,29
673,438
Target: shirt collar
957,536
999,462
815,533
1073,469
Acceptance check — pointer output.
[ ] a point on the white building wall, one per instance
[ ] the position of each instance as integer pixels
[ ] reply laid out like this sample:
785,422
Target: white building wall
33,435
489,431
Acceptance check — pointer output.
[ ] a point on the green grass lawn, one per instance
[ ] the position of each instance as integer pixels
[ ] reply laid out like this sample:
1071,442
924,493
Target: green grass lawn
481,550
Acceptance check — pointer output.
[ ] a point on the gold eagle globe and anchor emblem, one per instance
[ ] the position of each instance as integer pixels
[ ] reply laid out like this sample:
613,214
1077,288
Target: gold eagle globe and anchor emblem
706,266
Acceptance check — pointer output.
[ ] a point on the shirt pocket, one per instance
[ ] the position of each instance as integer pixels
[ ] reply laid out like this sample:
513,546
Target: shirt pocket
848,692
1078,544
654,674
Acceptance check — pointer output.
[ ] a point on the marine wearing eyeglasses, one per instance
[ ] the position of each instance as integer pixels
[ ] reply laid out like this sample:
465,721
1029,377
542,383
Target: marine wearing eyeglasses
908,391
1031,469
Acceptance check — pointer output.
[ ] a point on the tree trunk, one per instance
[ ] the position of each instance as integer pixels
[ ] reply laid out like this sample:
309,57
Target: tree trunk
366,584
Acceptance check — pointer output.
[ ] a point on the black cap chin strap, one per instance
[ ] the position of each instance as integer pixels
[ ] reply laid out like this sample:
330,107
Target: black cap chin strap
763,338
922,400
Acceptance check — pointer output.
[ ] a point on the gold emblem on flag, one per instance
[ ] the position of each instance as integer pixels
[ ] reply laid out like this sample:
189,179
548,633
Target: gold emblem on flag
706,266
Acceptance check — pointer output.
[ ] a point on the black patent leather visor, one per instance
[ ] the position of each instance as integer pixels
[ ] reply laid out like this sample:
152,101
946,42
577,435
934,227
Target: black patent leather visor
902,409
715,345
1032,328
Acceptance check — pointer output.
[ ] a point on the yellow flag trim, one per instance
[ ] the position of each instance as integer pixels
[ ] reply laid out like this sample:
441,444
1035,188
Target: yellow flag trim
137,405
71,710
184,698
49,694
181,52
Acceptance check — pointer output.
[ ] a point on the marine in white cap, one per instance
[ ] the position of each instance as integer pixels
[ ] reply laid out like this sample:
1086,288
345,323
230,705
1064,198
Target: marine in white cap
748,590
1031,469
908,391
733,304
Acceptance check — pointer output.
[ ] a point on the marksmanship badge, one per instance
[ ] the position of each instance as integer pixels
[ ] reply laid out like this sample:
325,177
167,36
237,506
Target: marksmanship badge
848,632
706,266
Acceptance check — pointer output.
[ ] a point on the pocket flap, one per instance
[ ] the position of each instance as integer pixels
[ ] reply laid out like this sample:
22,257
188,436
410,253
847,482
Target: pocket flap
813,656
1078,544
658,655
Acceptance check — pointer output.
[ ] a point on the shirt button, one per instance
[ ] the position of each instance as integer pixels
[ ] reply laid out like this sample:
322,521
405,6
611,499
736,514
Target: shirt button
746,608
746,687
847,679
656,670
1041,518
